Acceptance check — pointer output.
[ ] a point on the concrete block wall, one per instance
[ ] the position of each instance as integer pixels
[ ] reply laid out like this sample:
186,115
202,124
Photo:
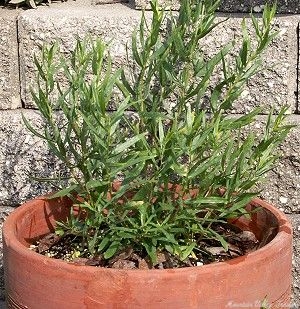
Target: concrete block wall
236,6
113,23
277,86
9,64
23,31
273,87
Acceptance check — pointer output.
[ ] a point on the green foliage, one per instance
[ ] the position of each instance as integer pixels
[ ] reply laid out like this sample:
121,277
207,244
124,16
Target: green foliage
184,163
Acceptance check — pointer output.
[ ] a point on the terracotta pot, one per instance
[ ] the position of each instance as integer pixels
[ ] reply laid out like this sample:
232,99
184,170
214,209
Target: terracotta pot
34,281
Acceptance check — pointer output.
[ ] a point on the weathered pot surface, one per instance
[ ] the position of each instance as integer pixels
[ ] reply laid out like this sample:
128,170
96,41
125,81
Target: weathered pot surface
34,281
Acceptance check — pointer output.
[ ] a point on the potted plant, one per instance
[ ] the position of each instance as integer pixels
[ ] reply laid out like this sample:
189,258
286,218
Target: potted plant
159,210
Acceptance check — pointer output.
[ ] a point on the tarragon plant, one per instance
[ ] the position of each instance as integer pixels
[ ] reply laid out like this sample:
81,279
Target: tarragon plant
155,159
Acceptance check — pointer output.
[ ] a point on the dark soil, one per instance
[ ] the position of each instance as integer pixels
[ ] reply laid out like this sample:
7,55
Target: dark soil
71,249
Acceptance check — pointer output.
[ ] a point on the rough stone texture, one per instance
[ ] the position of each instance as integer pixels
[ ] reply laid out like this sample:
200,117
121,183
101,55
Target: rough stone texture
295,220
68,3
276,86
22,157
282,187
145,4
298,73
4,211
9,64
283,6
113,23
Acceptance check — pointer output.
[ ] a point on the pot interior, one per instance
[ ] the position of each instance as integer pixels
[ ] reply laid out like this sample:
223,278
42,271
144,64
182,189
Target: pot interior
37,221
262,222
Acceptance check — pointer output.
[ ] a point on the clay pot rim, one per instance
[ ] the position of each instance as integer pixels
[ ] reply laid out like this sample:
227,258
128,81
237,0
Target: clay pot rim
284,234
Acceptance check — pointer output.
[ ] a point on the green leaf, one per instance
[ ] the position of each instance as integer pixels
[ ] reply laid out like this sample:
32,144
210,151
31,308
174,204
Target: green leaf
151,251
203,166
30,128
187,251
143,193
65,191
221,239
130,142
243,200
210,200
246,44
92,241
91,184
169,237
135,51
104,242
39,68
161,133
112,249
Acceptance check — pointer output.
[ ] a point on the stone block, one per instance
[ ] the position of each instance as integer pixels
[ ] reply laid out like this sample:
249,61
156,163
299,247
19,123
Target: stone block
283,6
4,212
295,220
274,87
282,186
113,23
23,157
234,6
145,4
9,63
